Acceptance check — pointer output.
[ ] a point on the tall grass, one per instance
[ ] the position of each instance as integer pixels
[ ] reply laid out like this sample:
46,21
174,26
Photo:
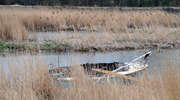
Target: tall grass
16,21
32,82
11,28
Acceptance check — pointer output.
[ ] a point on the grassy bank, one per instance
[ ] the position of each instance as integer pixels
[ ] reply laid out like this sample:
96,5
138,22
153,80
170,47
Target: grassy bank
55,46
161,38
33,82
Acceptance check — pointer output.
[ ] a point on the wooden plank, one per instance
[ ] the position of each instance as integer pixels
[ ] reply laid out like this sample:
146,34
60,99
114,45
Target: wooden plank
118,75
65,79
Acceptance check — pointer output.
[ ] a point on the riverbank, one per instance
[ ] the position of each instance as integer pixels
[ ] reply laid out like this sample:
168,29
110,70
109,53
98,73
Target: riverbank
54,46
156,38
89,30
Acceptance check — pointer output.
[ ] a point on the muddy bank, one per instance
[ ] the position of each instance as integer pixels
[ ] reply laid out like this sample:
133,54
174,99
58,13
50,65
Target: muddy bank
53,46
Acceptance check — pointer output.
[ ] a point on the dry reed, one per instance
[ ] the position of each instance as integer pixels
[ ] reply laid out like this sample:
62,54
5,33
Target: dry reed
20,20
11,28
32,82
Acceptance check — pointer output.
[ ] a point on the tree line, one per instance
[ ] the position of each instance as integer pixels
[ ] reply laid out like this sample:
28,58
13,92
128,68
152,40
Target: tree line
120,3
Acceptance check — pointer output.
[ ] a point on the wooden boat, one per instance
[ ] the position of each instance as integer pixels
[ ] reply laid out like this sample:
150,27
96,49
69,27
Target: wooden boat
101,70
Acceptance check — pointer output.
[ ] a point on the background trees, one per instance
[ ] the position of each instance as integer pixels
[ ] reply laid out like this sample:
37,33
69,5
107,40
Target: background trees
130,3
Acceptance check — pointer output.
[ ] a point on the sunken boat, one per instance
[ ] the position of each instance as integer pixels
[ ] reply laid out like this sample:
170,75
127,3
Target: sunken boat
136,65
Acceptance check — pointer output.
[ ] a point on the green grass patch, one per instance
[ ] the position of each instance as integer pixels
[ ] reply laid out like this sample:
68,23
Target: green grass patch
1,46
54,45
119,41
174,33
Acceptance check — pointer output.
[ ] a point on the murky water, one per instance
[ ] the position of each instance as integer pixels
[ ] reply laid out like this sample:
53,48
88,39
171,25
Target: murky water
157,59
42,36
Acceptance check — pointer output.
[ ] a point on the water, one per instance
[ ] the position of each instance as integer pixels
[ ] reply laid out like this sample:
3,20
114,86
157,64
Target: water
44,36
157,59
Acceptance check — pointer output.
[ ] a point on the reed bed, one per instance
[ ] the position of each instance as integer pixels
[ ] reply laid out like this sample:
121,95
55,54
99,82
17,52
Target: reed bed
11,28
32,82
21,20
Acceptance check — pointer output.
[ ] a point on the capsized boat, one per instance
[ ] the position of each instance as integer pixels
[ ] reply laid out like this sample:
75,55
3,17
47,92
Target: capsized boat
99,71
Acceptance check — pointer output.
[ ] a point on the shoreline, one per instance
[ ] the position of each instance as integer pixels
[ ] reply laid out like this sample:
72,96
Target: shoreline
53,46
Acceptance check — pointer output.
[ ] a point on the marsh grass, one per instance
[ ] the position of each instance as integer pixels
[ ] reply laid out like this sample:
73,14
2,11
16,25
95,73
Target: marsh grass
32,82
11,28
15,22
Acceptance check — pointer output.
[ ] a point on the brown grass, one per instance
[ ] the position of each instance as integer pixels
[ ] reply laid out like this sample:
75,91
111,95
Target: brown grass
32,82
20,20
11,28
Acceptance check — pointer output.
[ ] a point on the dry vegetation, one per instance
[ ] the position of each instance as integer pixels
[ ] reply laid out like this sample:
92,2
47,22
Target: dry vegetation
32,82
15,22
11,28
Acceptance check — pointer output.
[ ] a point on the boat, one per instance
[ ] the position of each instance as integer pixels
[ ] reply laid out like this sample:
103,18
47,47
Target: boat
100,71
